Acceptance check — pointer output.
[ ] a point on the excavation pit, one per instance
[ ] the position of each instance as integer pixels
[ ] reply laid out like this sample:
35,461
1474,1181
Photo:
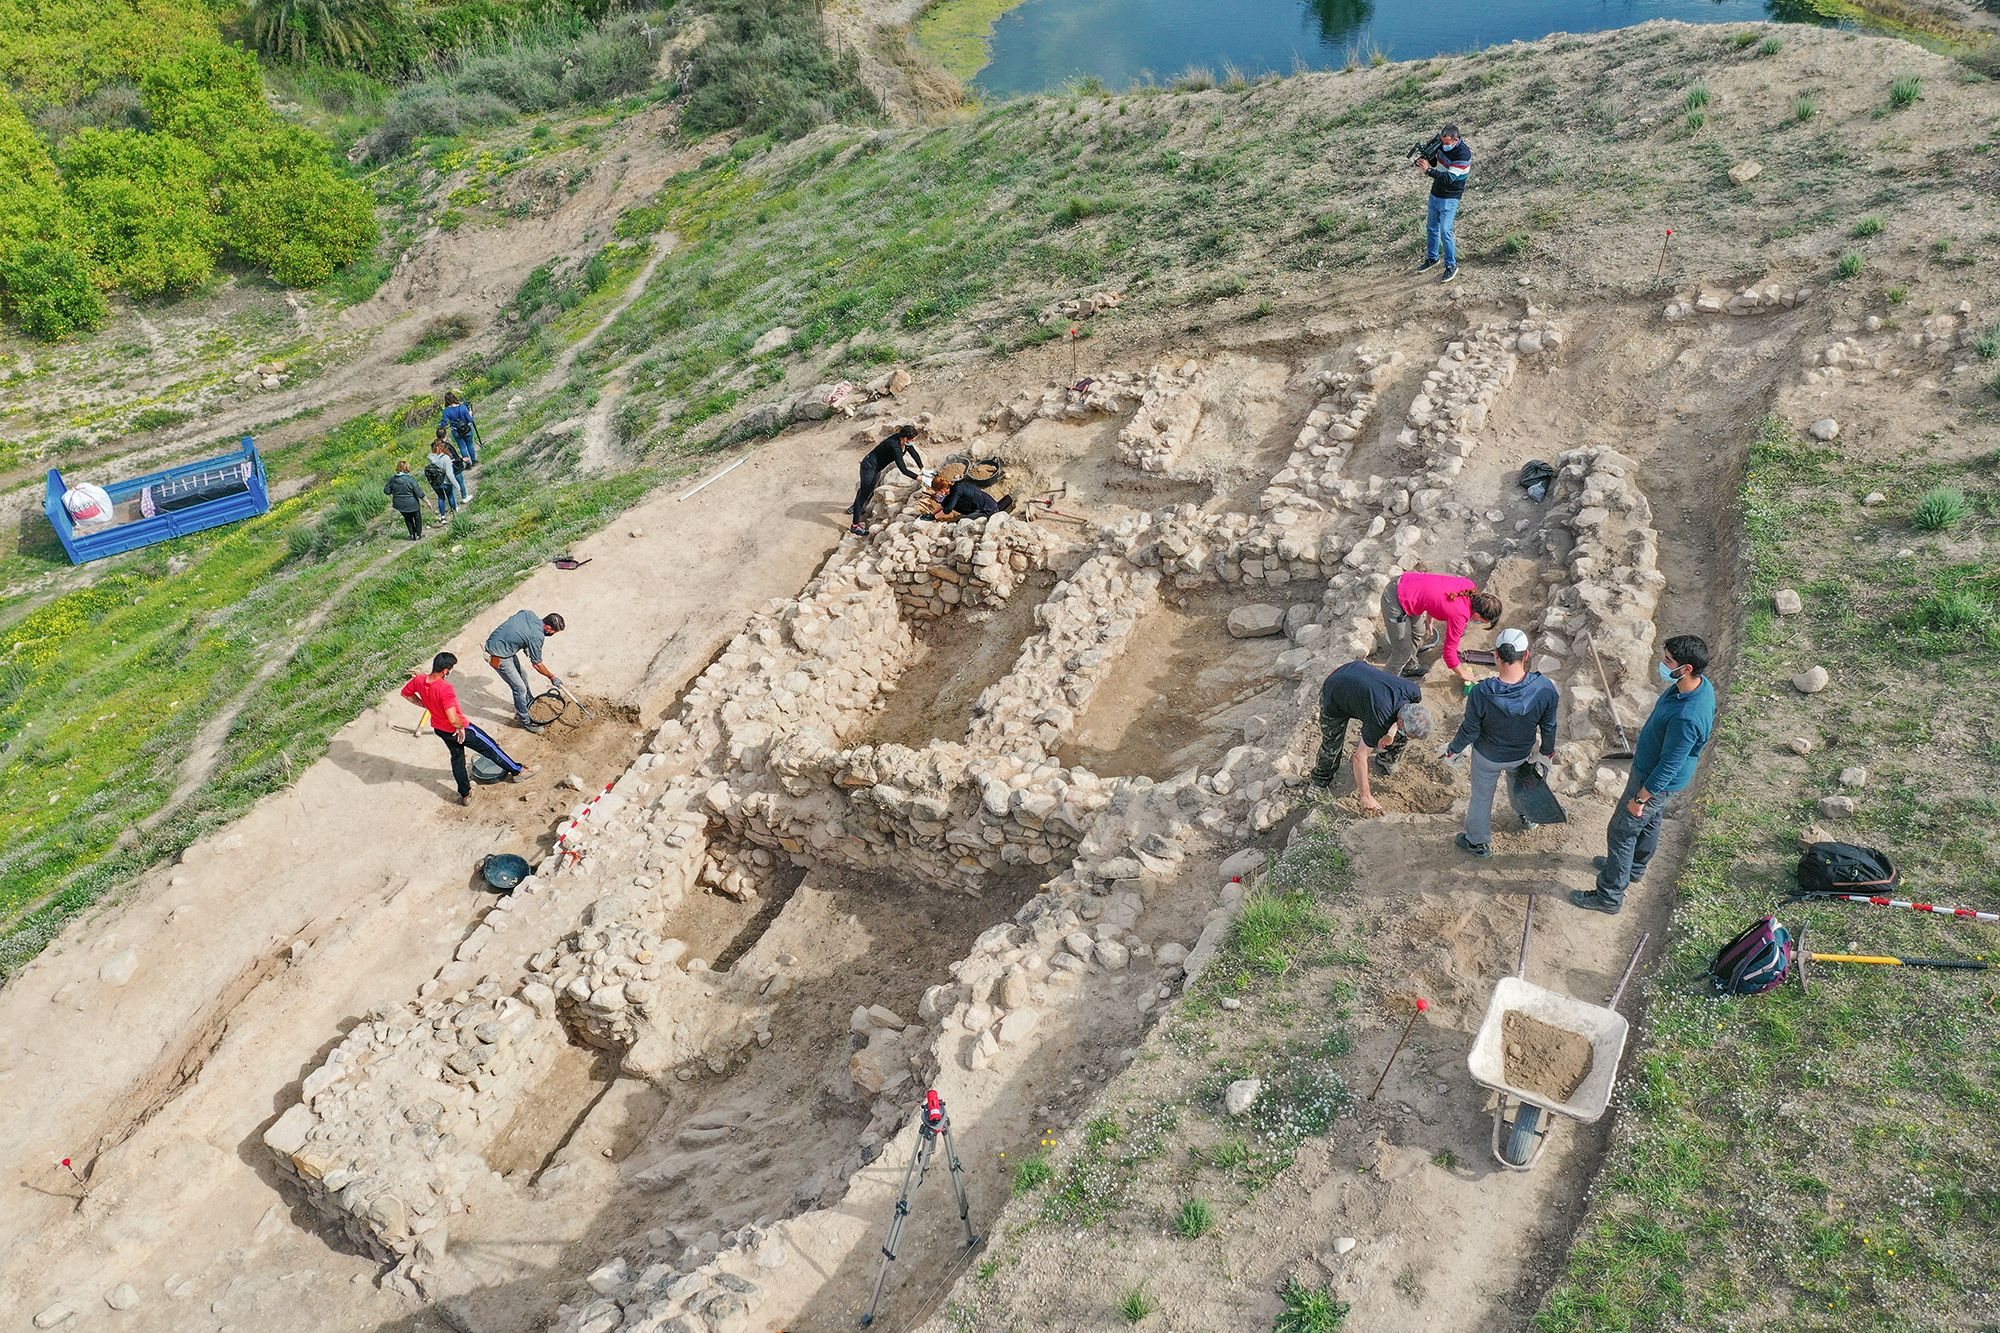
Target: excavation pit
1184,691
932,699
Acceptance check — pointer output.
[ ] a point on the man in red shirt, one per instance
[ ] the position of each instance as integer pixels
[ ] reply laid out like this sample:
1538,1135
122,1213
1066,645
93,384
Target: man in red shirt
440,700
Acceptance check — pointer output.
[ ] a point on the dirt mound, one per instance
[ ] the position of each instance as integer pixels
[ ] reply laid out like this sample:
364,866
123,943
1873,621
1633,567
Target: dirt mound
1542,1058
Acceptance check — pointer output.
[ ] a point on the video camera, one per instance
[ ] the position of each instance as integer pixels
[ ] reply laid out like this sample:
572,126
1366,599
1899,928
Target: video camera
1428,149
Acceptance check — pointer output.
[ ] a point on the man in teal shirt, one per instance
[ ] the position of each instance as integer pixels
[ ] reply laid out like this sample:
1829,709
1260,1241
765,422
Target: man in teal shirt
1663,763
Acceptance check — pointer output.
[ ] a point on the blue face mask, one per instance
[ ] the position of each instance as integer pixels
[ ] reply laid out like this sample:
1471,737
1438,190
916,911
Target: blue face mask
1668,674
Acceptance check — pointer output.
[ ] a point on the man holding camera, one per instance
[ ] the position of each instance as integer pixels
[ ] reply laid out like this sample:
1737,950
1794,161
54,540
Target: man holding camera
1447,161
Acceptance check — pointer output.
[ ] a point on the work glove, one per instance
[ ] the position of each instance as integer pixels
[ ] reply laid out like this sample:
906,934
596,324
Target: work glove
1445,756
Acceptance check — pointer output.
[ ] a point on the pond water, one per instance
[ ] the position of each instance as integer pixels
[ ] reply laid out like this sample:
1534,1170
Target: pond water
1044,44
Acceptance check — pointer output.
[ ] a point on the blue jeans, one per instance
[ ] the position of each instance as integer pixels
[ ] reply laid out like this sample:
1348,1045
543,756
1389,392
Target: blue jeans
446,498
1629,843
1438,223
517,681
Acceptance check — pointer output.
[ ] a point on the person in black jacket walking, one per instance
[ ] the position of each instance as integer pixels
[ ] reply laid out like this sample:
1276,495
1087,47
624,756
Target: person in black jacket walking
898,451
1447,171
406,494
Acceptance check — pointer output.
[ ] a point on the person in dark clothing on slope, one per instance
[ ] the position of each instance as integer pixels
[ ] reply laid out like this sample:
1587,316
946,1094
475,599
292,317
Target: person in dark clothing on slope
1663,762
1504,714
1384,705
965,498
440,700
898,451
406,496
1447,171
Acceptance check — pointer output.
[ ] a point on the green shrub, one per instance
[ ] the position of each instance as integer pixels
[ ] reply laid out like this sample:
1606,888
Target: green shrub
1868,227
1804,107
1696,99
1940,510
1905,91
285,209
1897,295
205,93
1987,345
49,289
55,52
1743,39
1770,46
1849,265
766,69
143,202
1695,120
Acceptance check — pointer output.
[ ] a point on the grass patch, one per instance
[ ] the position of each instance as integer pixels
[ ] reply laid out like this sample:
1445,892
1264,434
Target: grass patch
1032,1173
102,721
159,418
438,334
1137,1305
1770,46
1850,264
1195,1219
1941,509
1867,227
1804,107
1819,1159
1697,99
1309,1310
1905,91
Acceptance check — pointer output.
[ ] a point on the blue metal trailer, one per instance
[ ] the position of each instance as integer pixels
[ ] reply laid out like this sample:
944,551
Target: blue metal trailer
161,506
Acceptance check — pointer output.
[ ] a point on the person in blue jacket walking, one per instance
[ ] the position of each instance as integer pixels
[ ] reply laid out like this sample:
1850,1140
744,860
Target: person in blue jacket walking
457,418
1663,762
1448,171
1504,714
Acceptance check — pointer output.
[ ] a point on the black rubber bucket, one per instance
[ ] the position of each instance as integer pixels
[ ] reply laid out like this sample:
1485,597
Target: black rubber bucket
484,770
503,873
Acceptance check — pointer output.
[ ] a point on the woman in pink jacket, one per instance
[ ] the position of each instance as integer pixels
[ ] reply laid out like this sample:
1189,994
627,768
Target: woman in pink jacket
1451,601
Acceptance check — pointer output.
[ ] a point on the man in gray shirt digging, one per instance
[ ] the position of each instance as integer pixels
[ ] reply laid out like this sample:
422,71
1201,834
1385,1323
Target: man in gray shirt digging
523,632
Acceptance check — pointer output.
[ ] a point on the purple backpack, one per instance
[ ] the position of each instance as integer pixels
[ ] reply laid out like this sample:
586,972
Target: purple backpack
1755,961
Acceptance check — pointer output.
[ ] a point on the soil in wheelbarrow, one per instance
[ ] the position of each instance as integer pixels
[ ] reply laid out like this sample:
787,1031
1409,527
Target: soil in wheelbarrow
1549,1061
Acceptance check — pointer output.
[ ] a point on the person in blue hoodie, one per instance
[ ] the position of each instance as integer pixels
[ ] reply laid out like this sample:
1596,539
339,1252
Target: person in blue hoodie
1663,762
1504,714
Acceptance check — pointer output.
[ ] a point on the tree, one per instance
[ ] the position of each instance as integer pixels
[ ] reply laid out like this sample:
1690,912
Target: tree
340,29
145,205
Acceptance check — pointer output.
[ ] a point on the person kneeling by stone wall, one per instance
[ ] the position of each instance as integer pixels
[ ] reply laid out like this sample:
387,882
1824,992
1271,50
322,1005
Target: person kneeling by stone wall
964,498
1391,713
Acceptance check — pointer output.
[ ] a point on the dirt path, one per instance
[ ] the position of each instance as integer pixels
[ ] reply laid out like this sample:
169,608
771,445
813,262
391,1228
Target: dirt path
341,893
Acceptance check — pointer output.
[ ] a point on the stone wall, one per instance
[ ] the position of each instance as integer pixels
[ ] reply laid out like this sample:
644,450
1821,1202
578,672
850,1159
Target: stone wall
1168,413
1085,624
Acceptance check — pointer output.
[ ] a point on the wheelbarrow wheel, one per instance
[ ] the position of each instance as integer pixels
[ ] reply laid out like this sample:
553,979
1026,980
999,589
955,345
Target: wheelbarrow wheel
1521,1136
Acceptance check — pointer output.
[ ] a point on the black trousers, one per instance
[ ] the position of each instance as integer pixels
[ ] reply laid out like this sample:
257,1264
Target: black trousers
413,520
871,475
475,739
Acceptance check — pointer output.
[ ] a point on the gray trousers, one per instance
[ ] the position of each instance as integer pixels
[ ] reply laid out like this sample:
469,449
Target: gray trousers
1402,628
517,681
1479,809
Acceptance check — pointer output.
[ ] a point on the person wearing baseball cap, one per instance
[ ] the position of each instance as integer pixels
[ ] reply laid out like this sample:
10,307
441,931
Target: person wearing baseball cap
1504,715
1389,709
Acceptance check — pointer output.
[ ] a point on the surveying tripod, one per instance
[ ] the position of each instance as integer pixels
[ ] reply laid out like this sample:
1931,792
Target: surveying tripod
933,1123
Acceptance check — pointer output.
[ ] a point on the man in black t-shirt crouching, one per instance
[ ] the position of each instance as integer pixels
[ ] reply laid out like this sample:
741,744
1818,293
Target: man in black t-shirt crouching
1390,711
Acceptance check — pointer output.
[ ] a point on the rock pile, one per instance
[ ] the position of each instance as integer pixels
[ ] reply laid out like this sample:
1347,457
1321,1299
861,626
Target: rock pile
1451,407
1312,477
1759,298
1169,410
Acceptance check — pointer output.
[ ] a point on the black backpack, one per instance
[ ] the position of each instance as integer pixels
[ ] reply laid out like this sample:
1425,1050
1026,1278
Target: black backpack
437,476
1841,867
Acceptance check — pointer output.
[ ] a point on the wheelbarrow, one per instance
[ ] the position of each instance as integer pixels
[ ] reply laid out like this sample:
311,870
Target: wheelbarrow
1518,1139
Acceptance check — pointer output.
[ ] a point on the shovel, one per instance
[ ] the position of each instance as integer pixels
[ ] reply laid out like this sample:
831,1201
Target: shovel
1624,750
1537,798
